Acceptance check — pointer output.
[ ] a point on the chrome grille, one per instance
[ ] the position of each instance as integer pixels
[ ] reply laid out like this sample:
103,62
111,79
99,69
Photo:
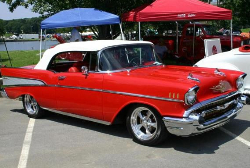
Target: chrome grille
217,108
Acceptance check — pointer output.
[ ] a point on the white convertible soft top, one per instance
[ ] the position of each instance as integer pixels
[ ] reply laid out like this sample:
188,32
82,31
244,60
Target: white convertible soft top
95,45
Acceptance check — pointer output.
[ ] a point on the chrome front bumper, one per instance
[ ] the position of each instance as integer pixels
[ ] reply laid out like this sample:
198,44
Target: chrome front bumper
192,125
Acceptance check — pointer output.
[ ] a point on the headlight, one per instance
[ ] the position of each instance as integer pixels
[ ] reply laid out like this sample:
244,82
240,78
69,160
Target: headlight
240,81
190,96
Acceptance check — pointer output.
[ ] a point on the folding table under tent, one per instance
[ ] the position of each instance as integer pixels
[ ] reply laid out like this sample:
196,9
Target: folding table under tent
79,17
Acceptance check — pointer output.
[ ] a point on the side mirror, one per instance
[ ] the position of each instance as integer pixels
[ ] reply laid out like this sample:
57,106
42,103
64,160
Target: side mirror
85,70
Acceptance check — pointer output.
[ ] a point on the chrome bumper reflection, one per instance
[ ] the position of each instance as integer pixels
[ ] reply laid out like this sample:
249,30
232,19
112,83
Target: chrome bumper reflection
4,94
191,126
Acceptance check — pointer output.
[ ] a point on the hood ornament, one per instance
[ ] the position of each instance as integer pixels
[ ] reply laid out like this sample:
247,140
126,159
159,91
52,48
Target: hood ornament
191,77
218,72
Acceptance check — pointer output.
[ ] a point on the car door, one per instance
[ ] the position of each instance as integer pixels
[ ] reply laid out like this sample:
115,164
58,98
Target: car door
78,93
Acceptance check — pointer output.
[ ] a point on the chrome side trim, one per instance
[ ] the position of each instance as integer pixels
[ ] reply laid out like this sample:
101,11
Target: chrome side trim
107,91
143,96
120,93
207,102
79,88
14,81
77,116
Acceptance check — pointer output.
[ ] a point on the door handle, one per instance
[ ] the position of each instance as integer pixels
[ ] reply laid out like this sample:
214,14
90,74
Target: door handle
61,77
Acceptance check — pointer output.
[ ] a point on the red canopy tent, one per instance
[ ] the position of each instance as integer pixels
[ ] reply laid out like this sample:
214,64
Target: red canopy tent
173,10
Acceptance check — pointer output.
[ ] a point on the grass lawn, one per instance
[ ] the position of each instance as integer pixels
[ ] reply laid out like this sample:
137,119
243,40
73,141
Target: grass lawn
19,58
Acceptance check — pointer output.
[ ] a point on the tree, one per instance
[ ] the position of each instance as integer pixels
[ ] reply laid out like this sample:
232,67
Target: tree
2,29
50,7
240,10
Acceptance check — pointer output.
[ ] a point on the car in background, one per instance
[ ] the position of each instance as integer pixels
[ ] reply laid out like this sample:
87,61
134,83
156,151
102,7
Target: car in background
119,81
237,59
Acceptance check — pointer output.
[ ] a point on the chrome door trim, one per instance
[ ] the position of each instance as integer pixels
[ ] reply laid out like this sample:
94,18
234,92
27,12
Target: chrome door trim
77,116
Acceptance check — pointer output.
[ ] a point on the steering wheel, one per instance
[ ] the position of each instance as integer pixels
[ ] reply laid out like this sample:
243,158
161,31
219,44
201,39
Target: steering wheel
134,62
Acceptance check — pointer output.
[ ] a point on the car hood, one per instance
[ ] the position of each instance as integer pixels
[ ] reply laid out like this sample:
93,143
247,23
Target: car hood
211,82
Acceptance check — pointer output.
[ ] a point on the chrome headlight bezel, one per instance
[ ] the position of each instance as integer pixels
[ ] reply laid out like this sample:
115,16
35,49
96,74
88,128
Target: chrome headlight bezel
240,81
191,95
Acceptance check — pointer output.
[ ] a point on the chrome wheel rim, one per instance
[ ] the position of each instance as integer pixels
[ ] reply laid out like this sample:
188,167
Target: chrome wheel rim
30,104
143,123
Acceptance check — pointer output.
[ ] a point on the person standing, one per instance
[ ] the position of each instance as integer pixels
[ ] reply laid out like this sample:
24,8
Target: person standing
161,48
75,35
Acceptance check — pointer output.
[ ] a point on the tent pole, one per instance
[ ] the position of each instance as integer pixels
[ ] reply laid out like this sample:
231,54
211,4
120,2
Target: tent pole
45,34
231,33
41,43
177,38
122,31
139,31
194,35
111,32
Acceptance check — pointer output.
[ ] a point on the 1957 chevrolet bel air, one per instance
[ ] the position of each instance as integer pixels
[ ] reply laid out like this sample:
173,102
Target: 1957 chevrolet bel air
123,81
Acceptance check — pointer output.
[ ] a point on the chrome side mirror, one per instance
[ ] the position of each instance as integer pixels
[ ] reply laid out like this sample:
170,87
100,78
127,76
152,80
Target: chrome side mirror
85,70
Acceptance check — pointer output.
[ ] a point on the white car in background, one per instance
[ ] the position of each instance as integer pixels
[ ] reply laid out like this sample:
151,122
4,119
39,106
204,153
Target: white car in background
236,59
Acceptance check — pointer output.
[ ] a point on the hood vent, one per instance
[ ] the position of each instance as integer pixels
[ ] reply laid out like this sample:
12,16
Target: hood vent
191,77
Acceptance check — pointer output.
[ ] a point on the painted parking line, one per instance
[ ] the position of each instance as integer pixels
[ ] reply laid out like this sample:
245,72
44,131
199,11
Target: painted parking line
235,136
26,144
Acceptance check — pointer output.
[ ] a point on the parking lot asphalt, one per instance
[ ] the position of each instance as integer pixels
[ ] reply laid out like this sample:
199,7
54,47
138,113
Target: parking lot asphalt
61,142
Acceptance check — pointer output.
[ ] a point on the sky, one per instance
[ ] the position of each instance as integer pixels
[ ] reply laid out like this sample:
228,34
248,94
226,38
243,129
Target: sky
19,13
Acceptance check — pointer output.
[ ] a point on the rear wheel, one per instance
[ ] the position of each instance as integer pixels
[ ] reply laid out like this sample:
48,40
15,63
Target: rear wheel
145,125
31,107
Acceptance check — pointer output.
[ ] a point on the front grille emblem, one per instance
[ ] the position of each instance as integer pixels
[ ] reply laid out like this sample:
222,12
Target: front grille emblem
223,86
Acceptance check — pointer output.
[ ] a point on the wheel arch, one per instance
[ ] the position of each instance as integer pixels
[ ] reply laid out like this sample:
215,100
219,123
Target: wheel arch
121,115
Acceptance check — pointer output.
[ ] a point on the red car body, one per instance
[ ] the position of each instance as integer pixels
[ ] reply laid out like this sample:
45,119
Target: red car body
106,93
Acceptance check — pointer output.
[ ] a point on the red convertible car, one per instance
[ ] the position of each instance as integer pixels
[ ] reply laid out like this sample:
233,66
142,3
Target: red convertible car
124,81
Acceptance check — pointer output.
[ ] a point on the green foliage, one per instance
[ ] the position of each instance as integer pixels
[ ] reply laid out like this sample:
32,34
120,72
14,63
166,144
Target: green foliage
247,30
2,29
31,25
240,10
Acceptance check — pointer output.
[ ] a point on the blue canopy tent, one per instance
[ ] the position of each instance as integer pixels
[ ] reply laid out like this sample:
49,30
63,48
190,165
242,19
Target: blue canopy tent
79,17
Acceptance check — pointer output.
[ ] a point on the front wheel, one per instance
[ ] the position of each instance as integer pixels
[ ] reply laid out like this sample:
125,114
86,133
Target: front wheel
31,107
145,125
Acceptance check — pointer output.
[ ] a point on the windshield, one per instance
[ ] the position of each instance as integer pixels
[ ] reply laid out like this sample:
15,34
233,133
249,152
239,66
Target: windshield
210,30
127,57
